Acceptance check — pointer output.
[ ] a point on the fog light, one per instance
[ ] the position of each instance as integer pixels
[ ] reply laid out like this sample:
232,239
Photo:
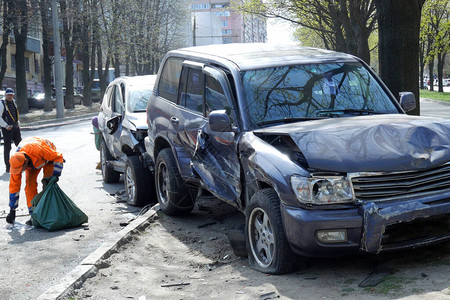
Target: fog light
332,236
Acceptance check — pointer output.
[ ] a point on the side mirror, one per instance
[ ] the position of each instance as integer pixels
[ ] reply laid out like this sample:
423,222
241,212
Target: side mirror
219,121
113,124
407,101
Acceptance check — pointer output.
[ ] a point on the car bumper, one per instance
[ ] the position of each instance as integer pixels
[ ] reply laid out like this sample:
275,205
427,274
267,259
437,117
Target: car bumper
370,228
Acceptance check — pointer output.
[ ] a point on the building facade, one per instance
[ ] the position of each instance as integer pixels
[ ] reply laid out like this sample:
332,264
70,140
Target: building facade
214,22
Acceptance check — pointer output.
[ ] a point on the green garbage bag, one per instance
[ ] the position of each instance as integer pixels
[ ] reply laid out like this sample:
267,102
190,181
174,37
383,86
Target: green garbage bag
53,209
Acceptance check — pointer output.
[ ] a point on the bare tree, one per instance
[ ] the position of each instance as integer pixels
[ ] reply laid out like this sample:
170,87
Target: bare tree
18,11
343,25
6,31
44,7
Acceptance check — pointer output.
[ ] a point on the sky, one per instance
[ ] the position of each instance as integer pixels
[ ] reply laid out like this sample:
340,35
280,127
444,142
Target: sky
279,32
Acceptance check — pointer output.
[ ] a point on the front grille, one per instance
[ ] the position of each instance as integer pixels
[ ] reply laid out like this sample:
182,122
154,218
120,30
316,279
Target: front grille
392,185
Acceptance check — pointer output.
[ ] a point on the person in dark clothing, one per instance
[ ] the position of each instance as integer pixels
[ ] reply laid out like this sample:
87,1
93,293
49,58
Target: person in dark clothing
9,122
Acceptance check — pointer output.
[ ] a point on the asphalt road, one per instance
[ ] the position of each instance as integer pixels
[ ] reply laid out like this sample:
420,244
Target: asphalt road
34,260
434,109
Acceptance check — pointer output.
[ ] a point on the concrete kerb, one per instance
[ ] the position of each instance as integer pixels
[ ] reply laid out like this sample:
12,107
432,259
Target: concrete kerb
435,101
90,265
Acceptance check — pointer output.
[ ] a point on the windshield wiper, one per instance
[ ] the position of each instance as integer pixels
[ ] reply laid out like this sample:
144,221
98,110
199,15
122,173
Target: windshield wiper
346,111
289,120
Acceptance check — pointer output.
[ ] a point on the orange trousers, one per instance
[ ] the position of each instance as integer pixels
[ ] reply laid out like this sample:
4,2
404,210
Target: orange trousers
31,181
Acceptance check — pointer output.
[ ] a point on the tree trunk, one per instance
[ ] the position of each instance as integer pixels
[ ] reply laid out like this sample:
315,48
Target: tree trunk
431,73
421,63
47,67
399,28
440,70
20,35
87,45
5,41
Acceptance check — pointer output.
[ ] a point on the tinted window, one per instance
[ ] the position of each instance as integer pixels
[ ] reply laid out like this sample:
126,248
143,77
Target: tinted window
214,96
193,99
168,84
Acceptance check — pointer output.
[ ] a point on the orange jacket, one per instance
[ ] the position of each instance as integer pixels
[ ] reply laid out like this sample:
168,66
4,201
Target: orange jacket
40,151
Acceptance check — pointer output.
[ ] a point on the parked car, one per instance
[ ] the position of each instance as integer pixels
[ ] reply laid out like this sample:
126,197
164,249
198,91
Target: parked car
77,98
37,100
123,127
309,144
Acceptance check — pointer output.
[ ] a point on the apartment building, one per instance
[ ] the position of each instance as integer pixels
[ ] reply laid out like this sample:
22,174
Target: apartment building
214,22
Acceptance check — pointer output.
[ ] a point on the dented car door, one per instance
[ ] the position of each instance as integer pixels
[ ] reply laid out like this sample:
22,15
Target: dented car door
215,159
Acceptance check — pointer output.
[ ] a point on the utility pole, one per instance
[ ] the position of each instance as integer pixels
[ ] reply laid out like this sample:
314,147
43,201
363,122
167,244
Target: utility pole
57,65
193,33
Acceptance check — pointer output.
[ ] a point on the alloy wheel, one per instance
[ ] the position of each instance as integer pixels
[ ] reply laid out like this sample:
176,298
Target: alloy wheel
261,237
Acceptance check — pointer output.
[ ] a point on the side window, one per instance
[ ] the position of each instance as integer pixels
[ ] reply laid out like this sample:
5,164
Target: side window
193,98
214,96
109,97
118,103
168,84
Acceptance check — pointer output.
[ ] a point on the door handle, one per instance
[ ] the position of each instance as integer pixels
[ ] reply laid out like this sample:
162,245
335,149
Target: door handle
174,120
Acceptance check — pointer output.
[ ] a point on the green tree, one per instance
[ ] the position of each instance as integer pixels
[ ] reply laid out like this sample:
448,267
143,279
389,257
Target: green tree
438,16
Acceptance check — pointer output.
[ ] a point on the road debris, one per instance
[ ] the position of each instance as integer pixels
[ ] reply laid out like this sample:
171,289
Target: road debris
175,284
271,295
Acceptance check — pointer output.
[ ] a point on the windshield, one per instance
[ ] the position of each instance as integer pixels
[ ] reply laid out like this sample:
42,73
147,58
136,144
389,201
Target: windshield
138,97
277,95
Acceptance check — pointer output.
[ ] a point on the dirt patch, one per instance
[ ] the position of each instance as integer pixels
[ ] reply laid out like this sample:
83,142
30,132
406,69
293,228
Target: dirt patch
191,258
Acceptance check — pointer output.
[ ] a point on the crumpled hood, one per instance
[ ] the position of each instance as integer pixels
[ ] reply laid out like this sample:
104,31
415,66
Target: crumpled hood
135,121
377,143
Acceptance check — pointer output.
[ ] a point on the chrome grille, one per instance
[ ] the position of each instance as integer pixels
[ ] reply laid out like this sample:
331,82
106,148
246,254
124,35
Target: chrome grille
381,186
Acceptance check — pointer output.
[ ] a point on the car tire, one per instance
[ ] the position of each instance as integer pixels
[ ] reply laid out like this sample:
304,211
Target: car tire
109,174
173,194
267,247
139,183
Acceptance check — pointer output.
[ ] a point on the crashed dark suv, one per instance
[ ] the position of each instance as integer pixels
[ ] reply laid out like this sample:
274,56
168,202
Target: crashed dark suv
308,143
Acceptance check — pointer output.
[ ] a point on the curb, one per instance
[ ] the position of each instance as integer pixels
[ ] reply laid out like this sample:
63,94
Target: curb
56,122
90,265
435,101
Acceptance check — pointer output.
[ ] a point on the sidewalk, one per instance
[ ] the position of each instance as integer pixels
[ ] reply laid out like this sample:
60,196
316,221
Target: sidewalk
38,118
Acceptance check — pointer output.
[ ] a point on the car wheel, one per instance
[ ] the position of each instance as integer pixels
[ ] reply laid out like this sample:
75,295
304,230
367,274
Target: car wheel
139,183
267,247
108,173
173,194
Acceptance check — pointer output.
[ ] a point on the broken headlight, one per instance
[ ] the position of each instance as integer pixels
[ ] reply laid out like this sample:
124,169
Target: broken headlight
322,190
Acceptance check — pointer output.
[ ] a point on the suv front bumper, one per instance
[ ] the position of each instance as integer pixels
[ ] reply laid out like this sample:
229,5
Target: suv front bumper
369,228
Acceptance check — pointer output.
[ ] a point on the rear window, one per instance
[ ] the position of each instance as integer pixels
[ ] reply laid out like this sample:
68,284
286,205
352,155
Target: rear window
168,84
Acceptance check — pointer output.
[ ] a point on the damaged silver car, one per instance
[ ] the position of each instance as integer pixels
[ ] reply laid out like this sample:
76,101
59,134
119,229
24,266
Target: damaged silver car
309,144
121,128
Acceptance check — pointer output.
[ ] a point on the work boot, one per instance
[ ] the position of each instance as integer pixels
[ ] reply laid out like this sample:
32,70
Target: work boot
11,216
29,222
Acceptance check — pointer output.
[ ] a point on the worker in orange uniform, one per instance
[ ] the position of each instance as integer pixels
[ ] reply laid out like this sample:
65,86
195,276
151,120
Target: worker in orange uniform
32,155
